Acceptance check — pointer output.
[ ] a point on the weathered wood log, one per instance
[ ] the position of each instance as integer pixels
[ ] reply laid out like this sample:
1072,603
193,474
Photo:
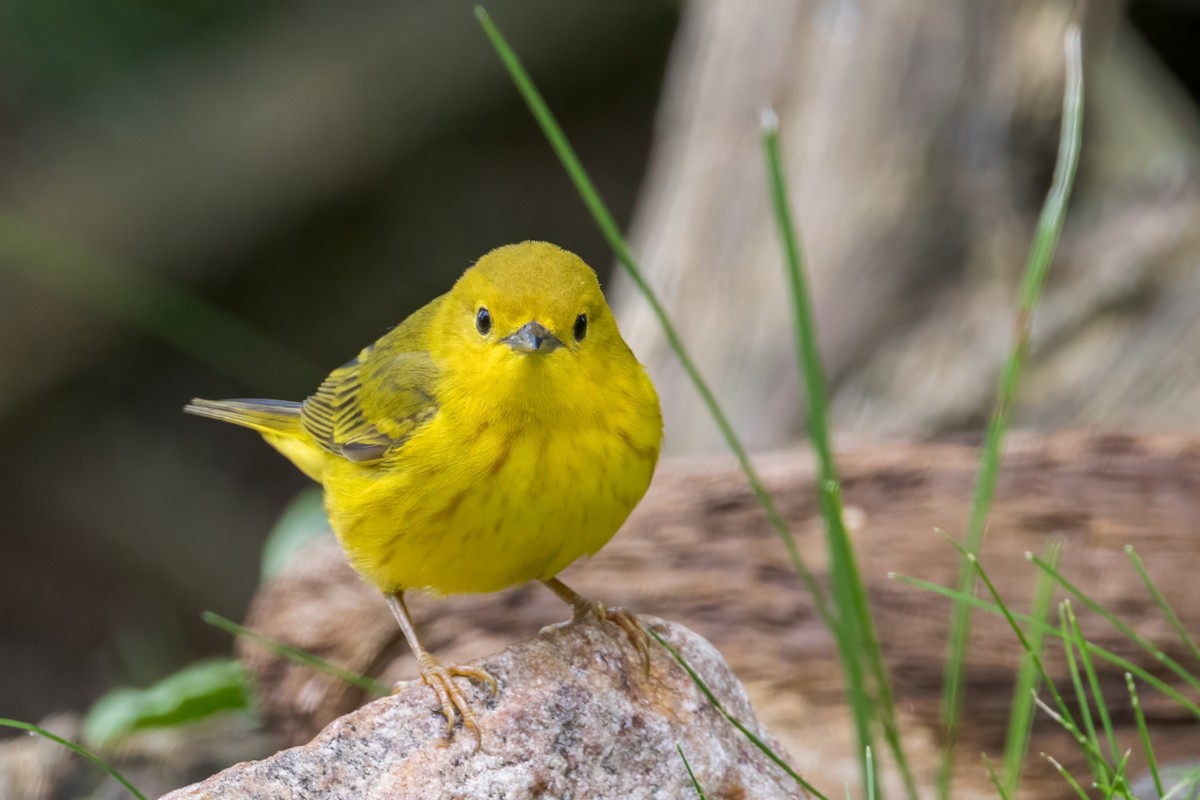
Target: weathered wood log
699,550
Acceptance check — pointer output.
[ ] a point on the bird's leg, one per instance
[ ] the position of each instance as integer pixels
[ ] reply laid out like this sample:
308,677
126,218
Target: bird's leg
591,610
440,677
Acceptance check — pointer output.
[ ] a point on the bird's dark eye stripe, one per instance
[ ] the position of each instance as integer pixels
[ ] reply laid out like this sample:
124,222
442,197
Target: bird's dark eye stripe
580,327
483,321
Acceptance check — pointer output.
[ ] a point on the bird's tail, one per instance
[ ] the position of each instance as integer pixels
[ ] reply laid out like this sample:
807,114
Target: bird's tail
278,417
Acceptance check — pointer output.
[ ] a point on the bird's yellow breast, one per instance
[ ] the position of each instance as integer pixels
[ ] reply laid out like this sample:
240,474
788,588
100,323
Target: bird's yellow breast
494,493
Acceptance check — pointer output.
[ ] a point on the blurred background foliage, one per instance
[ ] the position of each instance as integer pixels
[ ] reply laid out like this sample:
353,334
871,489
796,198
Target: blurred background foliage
220,199
273,185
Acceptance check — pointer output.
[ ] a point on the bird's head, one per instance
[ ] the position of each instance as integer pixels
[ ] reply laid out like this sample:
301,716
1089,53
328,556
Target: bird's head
530,307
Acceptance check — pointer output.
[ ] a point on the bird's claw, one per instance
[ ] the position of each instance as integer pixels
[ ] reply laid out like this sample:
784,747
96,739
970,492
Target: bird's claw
454,703
624,619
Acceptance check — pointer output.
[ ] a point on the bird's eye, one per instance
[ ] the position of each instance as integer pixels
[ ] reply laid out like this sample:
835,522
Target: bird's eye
580,327
483,321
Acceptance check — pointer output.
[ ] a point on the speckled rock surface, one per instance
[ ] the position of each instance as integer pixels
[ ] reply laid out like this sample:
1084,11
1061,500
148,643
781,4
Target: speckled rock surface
576,716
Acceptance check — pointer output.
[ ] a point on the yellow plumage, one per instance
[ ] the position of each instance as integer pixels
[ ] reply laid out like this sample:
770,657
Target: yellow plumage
496,435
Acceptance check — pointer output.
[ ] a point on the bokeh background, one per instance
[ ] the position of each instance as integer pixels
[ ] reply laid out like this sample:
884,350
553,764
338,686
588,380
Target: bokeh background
316,172
229,199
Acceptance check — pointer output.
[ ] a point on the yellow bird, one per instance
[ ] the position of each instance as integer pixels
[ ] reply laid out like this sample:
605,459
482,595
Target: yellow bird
492,438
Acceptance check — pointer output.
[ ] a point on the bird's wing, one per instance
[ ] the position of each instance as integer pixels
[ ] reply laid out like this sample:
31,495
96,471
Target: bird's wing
371,405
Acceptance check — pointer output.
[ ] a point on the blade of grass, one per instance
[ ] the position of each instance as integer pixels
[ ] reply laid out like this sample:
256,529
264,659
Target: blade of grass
871,775
145,301
612,234
297,655
692,775
1045,242
1033,655
1089,750
1063,715
749,734
1020,718
1000,790
1093,681
856,638
1169,612
1081,698
1117,623
1119,783
1144,734
1094,649
1066,776
77,749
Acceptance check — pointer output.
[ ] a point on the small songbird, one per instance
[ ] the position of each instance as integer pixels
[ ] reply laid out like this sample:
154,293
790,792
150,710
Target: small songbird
492,438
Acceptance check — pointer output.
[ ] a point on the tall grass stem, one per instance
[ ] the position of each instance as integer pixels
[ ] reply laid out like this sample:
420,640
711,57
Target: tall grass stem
295,654
1144,734
692,775
1020,718
1093,680
855,634
612,234
1168,612
1045,242
1117,623
1106,655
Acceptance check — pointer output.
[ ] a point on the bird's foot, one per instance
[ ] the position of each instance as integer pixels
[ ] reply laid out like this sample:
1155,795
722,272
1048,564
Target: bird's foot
623,618
440,677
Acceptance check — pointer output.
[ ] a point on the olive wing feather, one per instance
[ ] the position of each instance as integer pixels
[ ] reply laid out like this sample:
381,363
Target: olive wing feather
371,405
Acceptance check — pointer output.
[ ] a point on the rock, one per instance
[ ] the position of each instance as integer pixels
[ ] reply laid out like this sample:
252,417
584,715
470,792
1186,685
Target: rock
576,716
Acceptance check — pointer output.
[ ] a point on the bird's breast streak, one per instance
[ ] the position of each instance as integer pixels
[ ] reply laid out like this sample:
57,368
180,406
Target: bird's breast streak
507,506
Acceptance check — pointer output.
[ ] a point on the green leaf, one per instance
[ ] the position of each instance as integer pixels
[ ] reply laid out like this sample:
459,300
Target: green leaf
197,691
302,521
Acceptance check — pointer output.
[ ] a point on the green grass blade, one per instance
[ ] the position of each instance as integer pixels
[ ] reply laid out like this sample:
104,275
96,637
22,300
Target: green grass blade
1085,711
1096,650
692,775
1144,734
1020,718
1093,754
994,778
857,639
1074,784
871,775
75,748
297,655
1117,623
1168,612
1045,242
1119,783
1093,681
610,230
142,300
1026,645
749,734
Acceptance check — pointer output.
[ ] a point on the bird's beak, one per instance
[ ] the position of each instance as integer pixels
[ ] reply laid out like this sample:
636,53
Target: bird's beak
533,338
